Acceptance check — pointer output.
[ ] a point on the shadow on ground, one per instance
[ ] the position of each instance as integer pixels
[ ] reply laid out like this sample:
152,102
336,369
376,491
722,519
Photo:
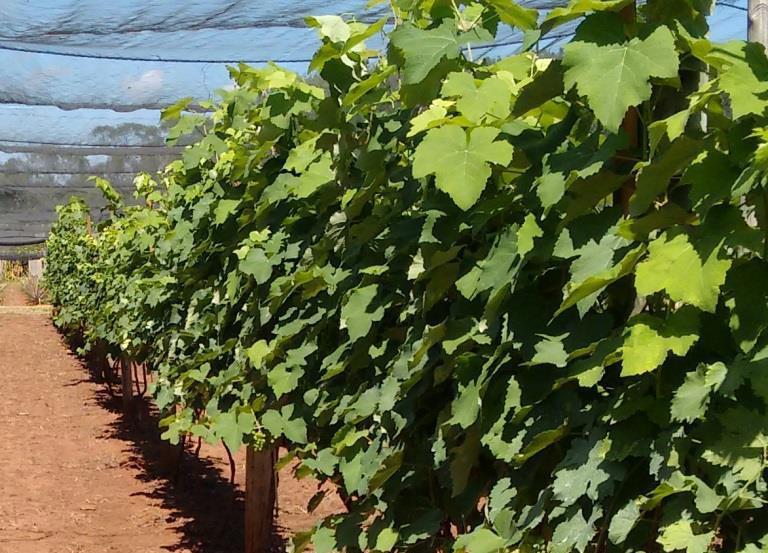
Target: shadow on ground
199,499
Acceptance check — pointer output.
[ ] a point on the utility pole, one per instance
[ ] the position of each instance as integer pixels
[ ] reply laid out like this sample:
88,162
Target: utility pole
758,21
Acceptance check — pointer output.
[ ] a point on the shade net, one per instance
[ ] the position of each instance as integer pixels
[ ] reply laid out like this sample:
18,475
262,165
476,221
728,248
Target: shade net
82,82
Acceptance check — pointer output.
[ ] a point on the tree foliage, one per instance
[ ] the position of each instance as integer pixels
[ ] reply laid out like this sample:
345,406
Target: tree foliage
466,294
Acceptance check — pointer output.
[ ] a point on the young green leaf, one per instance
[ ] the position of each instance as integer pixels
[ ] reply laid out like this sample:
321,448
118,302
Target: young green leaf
460,160
675,267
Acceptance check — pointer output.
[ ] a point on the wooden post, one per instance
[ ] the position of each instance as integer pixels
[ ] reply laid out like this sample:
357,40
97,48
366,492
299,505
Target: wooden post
97,361
260,496
127,384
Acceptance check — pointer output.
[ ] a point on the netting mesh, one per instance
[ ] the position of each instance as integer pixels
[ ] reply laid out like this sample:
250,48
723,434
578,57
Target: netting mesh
81,82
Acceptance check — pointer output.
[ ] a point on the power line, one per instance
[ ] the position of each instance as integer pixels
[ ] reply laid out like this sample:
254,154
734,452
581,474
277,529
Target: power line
733,6
70,151
89,145
113,57
95,172
62,187
88,149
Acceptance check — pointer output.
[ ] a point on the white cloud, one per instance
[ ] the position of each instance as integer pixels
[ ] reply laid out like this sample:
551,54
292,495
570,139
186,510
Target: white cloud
147,85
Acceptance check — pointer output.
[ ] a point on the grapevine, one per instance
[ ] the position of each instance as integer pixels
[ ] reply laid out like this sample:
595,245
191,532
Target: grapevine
459,290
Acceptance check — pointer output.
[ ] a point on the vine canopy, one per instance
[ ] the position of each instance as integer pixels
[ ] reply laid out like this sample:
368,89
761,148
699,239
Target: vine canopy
509,306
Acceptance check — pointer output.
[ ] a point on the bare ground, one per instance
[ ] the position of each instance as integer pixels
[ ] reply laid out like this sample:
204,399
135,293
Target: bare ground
76,477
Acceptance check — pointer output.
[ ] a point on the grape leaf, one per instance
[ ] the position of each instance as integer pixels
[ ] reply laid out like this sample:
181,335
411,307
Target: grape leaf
744,78
512,13
550,351
675,267
616,77
257,265
587,477
623,522
466,406
692,398
679,536
574,533
653,177
599,281
650,341
489,102
354,314
480,540
496,270
424,49
577,8
748,303
331,26
529,231
460,160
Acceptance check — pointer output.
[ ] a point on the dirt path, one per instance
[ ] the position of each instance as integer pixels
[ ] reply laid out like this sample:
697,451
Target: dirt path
12,295
75,477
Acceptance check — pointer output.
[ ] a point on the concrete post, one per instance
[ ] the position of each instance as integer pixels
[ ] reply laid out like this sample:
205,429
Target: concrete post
758,21
36,268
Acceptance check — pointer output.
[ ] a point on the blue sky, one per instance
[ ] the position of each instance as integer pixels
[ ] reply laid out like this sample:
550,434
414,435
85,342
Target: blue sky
729,23
73,81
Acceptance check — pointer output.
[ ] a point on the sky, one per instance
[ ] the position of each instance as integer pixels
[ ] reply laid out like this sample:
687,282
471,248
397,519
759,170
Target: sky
729,21
68,66
186,30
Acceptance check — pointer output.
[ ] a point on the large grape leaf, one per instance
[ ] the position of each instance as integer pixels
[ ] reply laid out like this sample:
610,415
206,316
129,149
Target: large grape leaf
460,160
674,266
423,49
282,423
316,175
645,349
741,442
615,77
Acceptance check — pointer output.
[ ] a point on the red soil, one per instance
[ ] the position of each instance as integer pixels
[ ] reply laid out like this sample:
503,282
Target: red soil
76,477
13,295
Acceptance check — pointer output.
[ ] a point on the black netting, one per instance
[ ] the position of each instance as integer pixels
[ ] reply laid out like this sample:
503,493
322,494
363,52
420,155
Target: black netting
81,82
